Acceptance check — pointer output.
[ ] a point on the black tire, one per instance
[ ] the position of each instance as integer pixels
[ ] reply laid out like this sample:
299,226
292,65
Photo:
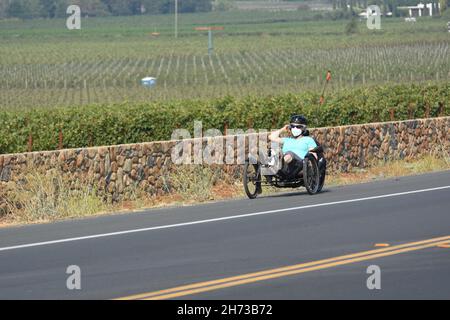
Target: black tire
311,175
323,175
252,179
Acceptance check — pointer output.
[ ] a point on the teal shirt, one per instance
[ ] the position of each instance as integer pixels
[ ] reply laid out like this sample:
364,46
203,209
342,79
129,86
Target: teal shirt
298,146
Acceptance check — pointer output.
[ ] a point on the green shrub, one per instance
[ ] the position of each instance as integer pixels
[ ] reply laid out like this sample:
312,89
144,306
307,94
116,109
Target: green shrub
98,125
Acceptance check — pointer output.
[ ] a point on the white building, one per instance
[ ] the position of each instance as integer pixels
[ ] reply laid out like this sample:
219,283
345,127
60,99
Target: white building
423,10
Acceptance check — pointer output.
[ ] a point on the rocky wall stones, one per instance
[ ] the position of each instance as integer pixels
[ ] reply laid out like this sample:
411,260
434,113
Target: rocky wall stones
147,165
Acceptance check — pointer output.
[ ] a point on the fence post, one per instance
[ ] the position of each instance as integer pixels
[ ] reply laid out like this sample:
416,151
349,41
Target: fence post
60,142
91,139
411,111
30,142
392,114
250,123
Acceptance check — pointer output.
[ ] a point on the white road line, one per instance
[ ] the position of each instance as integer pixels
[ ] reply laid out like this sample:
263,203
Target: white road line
96,236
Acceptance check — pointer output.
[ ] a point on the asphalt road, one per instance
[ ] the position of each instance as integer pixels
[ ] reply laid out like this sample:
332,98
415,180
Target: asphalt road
124,255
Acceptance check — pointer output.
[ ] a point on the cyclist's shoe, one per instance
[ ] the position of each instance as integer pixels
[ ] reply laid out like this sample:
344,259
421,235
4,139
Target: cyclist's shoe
258,189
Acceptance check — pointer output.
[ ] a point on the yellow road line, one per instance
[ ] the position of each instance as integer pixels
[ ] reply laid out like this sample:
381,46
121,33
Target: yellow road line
284,274
289,270
382,245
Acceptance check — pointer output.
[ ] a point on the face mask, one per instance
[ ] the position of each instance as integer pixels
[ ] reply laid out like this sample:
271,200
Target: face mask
296,132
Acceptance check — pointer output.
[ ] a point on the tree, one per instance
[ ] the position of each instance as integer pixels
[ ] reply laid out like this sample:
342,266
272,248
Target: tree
118,7
186,6
49,8
223,5
444,5
153,6
203,5
24,9
92,7
15,9
3,8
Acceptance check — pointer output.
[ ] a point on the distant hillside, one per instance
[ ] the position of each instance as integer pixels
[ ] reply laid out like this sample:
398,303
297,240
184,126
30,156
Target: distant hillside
273,5
29,9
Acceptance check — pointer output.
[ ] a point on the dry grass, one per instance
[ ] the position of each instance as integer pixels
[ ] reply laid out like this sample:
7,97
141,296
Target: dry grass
385,170
195,183
42,197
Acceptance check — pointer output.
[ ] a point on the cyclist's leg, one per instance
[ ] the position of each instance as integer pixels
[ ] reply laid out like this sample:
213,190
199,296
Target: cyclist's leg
292,165
284,171
296,165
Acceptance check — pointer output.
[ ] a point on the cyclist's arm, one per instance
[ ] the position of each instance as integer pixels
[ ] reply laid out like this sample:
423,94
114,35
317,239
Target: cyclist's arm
313,145
275,136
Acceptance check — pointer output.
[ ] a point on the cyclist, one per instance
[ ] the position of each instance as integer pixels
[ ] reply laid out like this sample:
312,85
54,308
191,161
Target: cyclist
295,147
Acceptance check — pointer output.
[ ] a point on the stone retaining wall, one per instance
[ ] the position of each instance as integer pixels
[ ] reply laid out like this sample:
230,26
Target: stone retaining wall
148,165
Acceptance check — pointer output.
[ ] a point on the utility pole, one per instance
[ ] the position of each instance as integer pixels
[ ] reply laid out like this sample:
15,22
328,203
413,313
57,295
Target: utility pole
210,42
176,18
210,36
